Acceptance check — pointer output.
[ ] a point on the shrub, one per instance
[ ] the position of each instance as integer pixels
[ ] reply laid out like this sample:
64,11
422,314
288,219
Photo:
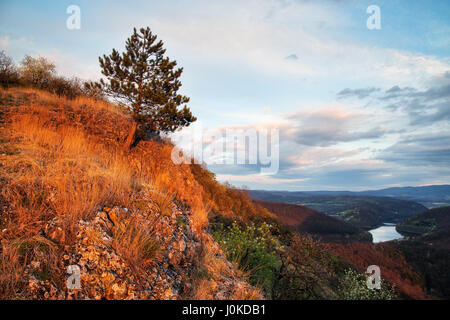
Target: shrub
69,88
308,271
254,250
353,287
8,71
37,71
134,240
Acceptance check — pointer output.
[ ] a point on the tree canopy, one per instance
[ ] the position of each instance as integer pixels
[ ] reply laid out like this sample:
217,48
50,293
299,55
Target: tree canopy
147,81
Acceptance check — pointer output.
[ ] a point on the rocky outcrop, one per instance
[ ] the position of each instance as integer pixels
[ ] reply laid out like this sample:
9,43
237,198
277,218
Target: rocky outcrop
174,270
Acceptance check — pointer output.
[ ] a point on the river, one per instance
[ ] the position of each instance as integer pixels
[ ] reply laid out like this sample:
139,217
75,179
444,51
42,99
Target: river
385,233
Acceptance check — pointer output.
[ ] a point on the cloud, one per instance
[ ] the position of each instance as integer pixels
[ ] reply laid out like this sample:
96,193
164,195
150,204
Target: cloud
318,156
396,92
420,150
291,57
359,93
259,32
423,107
328,126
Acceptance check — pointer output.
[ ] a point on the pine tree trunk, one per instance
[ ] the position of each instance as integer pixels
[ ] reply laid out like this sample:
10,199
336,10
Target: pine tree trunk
130,137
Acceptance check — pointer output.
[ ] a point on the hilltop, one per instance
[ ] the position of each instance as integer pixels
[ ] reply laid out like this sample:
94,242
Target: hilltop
134,222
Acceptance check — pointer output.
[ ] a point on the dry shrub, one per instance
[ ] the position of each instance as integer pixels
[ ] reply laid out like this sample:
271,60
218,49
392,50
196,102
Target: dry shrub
11,272
245,293
203,289
134,241
18,253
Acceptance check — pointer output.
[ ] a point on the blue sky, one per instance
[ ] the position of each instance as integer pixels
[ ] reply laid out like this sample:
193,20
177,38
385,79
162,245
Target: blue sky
356,108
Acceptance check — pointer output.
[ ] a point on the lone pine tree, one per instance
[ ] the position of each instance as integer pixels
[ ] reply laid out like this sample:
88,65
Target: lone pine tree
147,82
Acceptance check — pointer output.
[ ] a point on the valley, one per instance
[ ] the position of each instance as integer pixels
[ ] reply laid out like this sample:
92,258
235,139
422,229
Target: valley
421,238
360,211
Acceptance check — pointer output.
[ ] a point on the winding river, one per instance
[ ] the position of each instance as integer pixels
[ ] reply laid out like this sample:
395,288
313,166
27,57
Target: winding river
385,233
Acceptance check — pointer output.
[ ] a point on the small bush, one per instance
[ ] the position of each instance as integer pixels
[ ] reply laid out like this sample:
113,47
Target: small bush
254,250
9,75
37,72
353,286
308,271
133,240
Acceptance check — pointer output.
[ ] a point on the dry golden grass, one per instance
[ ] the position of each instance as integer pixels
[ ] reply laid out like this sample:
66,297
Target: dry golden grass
134,241
64,169
59,172
64,158
67,160
12,269
206,289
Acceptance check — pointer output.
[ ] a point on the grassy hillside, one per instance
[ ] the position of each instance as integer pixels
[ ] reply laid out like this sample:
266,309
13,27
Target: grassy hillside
321,226
70,194
134,222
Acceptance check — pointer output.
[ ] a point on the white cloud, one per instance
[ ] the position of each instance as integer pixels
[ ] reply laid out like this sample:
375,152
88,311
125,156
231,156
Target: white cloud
260,34
4,42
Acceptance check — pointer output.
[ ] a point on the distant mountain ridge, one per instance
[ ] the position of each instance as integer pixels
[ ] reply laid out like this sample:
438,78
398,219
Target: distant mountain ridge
430,196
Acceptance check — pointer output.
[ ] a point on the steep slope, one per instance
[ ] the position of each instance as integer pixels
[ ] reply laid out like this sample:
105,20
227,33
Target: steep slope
305,220
427,248
393,265
133,222
338,240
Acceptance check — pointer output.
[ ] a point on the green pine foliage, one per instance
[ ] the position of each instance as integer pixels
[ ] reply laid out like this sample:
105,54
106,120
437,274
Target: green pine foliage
147,81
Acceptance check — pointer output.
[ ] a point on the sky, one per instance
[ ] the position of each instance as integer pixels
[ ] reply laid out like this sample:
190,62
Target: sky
355,108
